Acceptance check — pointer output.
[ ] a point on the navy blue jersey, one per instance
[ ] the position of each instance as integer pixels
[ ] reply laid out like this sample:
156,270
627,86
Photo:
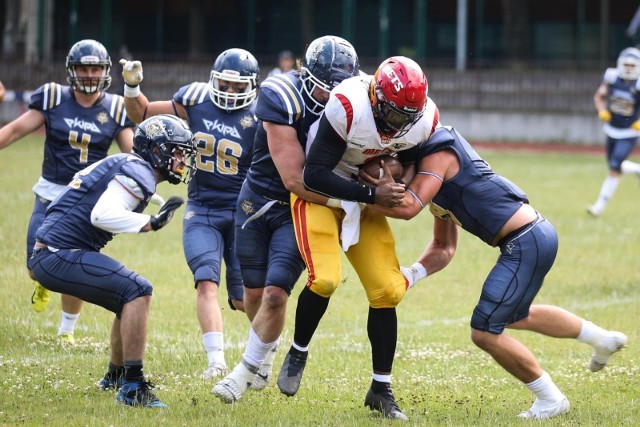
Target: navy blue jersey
224,140
280,102
67,224
76,136
477,199
623,99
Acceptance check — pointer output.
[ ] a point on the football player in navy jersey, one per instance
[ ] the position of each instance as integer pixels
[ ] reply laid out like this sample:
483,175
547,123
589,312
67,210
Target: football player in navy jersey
81,121
265,239
617,102
102,200
220,113
460,189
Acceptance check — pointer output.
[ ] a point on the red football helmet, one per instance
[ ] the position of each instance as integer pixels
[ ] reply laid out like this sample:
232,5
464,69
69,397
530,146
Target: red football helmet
399,89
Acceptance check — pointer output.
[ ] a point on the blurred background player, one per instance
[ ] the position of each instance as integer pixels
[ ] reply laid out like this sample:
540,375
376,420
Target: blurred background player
286,63
617,101
220,113
265,238
461,189
365,117
103,200
81,121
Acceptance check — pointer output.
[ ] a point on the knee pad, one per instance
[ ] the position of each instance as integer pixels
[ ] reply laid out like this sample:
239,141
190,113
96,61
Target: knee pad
387,297
324,288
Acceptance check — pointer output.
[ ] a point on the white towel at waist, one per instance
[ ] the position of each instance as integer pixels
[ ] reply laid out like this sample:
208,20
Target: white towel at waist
350,234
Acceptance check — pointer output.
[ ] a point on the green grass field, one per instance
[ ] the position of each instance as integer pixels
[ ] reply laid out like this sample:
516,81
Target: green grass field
440,377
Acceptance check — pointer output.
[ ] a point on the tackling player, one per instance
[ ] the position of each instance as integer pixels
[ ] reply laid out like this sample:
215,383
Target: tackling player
220,113
462,190
265,240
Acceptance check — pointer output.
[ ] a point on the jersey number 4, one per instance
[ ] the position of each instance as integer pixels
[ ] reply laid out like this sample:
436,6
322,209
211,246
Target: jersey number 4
81,144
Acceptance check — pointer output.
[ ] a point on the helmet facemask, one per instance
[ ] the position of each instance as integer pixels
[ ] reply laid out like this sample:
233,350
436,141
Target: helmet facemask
231,100
310,83
88,53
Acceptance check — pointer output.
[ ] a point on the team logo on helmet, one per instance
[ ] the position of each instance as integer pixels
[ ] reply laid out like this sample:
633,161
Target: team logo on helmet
154,128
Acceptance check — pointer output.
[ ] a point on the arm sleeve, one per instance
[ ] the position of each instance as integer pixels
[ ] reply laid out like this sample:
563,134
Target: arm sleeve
325,153
113,211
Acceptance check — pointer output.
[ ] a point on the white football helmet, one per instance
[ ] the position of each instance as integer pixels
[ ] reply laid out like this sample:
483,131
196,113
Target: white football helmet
629,64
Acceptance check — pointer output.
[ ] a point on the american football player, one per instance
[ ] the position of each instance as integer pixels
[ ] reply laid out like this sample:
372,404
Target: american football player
265,240
365,117
104,199
617,102
220,113
81,121
462,190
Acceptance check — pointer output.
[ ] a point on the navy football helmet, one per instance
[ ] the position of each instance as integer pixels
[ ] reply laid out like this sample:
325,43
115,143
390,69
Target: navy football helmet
88,52
158,137
234,66
629,64
328,61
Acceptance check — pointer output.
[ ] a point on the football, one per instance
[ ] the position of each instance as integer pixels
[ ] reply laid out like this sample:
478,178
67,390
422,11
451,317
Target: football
373,167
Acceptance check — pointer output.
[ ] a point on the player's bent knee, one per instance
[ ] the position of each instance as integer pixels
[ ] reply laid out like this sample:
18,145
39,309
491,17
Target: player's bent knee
388,297
324,288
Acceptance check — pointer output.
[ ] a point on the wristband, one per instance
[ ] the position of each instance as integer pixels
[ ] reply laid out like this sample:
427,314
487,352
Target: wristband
421,272
334,203
131,91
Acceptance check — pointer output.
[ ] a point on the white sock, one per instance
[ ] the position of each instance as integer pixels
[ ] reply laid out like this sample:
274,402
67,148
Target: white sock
299,348
68,323
382,378
607,190
256,350
590,333
628,167
214,347
545,389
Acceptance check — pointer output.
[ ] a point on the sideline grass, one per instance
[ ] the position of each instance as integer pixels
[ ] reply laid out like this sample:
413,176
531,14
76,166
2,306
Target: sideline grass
440,377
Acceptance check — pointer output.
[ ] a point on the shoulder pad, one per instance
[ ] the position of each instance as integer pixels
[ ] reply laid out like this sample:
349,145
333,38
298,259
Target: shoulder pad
48,96
192,94
280,101
115,106
610,75
141,172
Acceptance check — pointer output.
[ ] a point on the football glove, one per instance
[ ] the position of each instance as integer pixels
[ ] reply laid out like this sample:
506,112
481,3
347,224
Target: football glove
635,125
604,115
166,213
131,72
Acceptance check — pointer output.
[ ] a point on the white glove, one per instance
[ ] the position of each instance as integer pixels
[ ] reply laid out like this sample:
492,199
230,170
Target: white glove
131,72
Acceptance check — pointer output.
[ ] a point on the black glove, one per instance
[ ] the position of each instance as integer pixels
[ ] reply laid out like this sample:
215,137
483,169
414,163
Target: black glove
166,212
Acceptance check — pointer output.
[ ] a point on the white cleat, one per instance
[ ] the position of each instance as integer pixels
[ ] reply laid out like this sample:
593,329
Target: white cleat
593,211
214,370
611,344
544,411
234,385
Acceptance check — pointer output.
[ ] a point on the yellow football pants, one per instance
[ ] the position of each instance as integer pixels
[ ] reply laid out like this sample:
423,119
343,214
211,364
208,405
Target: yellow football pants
374,258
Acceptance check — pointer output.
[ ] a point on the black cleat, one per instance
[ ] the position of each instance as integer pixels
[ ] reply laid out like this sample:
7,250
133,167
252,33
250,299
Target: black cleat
384,402
291,372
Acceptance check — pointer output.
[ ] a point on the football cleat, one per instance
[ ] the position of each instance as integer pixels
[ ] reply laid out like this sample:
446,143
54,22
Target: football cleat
544,411
214,370
138,394
234,385
611,344
66,338
291,372
594,211
40,298
385,403
111,381
263,377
